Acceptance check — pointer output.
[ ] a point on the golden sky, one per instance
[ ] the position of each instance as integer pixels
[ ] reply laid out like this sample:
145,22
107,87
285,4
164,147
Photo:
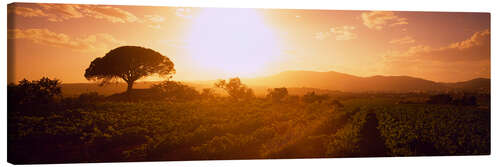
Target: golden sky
60,41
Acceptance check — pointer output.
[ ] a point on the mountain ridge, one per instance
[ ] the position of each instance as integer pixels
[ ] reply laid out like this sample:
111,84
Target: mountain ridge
333,80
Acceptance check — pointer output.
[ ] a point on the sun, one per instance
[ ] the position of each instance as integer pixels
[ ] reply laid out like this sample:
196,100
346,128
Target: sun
232,42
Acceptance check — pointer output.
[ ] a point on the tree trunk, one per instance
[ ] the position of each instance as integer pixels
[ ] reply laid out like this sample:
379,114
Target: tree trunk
129,86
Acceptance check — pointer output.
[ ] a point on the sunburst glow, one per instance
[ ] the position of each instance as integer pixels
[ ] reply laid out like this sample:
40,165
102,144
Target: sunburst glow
232,42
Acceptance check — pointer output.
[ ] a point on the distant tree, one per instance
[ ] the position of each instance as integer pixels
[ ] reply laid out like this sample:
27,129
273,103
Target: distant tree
235,88
277,94
129,63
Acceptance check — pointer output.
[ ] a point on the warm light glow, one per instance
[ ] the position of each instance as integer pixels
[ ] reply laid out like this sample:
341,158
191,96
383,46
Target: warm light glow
217,43
232,42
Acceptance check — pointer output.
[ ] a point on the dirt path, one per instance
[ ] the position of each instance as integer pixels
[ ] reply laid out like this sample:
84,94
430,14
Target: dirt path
371,144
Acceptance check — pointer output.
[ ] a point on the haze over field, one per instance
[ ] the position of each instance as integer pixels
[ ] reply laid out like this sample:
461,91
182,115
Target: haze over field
302,82
99,83
217,43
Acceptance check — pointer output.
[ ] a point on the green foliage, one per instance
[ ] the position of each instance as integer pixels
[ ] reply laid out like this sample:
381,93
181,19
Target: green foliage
91,129
450,130
345,141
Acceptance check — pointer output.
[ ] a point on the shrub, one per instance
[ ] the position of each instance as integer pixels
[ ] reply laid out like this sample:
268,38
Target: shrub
175,91
34,92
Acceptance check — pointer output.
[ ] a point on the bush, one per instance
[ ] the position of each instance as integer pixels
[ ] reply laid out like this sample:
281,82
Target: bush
175,91
43,91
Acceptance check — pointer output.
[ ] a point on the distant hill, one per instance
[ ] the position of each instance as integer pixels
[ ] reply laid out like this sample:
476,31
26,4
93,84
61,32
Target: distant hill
478,84
349,83
301,82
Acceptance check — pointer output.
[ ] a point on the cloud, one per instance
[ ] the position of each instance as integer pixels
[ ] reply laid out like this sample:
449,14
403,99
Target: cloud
460,60
183,12
25,12
153,21
343,33
154,18
46,37
477,47
321,35
339,33
380,19
109,13
62,12
402,41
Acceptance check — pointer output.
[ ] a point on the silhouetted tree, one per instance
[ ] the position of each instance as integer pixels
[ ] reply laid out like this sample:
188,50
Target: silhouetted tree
277,94
129,63
235,88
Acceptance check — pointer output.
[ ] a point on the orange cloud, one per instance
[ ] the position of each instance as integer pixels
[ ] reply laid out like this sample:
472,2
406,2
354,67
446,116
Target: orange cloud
461,60
109,13
339,33
183,12
380,19
404,40
154,18
46,37
61,12
153,21
25,12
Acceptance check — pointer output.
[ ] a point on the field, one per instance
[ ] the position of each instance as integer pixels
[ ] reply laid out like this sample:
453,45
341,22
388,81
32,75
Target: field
207,126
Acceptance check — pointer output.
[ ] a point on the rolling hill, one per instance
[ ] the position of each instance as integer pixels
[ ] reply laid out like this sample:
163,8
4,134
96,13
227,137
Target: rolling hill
349,83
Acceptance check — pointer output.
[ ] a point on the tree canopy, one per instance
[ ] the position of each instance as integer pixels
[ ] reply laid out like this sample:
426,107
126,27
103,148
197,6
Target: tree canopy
129,63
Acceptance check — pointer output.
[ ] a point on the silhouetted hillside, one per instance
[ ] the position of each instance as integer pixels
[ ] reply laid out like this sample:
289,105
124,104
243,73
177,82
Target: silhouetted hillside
478,84
344,82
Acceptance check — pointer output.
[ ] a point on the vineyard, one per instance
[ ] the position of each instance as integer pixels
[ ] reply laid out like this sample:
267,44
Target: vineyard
92,128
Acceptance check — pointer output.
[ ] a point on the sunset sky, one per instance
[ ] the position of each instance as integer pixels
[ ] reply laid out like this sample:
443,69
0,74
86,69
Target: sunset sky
60,41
